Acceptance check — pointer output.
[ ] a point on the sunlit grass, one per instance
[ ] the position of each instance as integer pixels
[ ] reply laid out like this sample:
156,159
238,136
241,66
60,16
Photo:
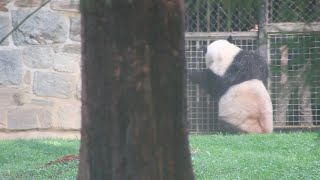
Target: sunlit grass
275,156
27,159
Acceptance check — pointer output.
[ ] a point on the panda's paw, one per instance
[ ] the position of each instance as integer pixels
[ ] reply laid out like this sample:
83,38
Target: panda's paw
196,76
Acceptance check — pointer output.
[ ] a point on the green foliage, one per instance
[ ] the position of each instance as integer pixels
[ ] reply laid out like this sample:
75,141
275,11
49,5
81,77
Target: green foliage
294,11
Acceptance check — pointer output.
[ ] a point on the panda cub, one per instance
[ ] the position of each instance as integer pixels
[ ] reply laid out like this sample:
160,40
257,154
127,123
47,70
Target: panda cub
237,79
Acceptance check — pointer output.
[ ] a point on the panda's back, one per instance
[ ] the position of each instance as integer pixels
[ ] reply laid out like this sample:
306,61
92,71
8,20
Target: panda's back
248,107
247,65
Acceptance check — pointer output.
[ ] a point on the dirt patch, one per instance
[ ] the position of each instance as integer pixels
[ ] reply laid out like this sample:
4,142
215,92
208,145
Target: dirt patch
66,158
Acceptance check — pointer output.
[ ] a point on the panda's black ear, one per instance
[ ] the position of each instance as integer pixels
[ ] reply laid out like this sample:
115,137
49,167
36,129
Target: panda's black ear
229,39
203,49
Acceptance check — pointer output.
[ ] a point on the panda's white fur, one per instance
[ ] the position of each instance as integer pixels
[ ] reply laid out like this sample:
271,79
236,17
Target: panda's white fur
247,105
220,54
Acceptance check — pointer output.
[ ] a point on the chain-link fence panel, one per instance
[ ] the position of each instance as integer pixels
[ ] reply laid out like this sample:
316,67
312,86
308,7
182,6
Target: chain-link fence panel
281,11
239,15
221,15
295,75
294,57
200,106
201,112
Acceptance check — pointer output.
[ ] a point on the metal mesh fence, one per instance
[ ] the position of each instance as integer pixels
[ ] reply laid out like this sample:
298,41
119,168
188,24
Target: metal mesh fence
295,87
239,15
294,57
201,113
220,15
200,106
293,11
294,74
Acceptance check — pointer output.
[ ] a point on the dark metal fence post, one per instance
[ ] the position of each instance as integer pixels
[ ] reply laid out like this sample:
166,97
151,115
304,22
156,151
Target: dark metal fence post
262,33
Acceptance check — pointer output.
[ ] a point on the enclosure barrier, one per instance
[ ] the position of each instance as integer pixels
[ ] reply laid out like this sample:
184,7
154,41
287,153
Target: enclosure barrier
293,52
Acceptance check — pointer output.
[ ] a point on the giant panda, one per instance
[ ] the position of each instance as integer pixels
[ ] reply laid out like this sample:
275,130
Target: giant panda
237,79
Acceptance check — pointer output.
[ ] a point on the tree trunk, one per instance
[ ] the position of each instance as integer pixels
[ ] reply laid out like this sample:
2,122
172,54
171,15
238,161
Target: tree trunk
287,86
305,109
132,91
282,103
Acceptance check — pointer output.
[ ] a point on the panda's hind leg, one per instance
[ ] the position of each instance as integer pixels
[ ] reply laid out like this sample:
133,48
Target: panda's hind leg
227,128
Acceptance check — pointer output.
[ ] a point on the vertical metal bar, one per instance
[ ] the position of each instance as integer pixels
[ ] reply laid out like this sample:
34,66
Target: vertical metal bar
262,33
270,19
198,16
218,17
208,15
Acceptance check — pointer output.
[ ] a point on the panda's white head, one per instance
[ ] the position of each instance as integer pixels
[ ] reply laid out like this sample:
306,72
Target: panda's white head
220,55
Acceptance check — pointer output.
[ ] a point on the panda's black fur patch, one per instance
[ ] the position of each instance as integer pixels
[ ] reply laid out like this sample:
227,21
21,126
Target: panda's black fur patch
207,80
247,65
229,39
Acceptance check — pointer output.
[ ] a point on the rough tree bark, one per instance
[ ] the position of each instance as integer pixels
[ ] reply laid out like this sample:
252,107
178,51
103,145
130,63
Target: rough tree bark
305,109
132,91
284,95
287,85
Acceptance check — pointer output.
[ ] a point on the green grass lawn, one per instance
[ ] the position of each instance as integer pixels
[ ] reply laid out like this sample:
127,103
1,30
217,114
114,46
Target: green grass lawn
275,156
27,159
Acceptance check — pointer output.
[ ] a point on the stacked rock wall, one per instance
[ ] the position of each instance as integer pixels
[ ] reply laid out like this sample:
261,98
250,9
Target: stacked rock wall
40,66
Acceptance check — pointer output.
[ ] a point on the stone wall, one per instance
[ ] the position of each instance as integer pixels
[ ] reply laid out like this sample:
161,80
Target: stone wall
40,66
